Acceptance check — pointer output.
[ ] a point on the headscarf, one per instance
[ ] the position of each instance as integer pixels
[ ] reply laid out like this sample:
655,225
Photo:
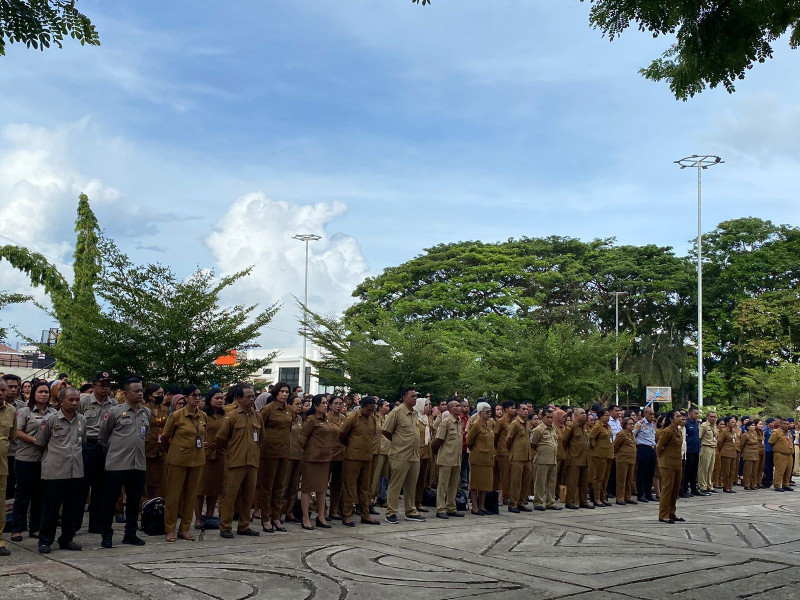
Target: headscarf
559,416
420,408
174,404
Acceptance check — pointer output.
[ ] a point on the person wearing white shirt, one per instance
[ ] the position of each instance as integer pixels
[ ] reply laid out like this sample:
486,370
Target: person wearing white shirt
615,424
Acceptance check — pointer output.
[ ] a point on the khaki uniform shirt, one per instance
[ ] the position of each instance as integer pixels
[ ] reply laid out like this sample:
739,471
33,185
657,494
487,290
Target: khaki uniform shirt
601,440
13,443
402,424
520,432
668,448
728,444
576,446
28,421
544,441
358,435
750,443
625,448
480,441
158,418
337,421
213,424
95,414
63,446
295,451
8,431
449,432
243,431
500,433
708,434
186,433
384,445
316,438
122,436
277,427
780,443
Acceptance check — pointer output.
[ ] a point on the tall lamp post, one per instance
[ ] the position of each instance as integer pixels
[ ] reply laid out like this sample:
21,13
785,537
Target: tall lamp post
616,333
305,237
699,162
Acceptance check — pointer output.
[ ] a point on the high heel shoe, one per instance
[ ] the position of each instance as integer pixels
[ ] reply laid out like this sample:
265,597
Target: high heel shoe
307,528
323,525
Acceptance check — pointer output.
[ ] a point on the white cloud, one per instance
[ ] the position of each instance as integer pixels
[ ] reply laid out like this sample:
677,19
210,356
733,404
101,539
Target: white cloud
258,231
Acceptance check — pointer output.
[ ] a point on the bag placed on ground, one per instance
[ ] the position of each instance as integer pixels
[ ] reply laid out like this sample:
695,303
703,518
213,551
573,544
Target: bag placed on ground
153,516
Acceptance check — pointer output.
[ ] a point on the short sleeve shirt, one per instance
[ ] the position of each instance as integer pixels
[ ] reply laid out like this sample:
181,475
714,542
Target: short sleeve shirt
360,432
277,430
8,431
450,432
28,421
123,435
402,424
95,414
243,431
63,442
187,438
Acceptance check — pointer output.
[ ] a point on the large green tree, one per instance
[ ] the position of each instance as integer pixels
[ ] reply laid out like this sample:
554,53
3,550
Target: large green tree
40,23
6,299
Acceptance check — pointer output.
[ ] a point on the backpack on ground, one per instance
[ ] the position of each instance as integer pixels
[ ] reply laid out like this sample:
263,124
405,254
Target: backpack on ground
153,516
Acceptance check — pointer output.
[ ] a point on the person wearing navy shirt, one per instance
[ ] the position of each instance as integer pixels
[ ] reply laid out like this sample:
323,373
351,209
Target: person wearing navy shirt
692,454
768,463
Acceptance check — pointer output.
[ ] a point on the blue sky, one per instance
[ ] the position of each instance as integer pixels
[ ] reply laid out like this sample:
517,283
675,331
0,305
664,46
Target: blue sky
207,134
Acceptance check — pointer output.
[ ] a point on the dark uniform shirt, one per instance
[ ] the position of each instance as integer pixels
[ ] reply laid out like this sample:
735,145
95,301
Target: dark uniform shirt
62,441
122,435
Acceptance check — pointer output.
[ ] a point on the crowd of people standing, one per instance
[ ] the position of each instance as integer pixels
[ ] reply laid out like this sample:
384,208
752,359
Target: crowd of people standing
283,457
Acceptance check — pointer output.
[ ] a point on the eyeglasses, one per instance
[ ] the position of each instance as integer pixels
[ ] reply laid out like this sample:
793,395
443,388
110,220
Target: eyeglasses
196,395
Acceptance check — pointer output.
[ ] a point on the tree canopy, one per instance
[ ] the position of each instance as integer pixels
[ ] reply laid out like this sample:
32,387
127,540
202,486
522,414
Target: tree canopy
40,23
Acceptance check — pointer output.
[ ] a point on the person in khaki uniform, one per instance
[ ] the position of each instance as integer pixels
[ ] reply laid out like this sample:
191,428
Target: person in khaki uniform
316,439
153,449
336,417
447,446
728,445
358,434
274,451
213,478
518,442
423,408
576,454
185,435
668,449
239,436
8,431
480,441
781,455
401,429
625,459
708,450
502,460
750,443
601,449
295,465
380,469
544,441
61,436
761,452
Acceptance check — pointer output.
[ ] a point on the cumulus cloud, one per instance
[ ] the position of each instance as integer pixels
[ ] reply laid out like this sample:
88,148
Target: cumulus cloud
258,231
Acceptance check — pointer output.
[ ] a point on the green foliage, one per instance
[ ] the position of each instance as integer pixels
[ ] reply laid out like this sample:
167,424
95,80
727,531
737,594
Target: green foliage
775,388
39,23
5,300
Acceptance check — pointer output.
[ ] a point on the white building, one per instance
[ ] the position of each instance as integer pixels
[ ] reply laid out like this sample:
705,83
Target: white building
286,367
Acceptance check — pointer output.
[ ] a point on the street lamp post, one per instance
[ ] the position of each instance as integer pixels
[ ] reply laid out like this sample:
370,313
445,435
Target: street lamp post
616,334
305,237
699,162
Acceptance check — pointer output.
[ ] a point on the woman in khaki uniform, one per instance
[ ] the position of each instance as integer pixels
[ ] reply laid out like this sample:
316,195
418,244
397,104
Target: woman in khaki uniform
274,457
185,433
295,463
625,459
381,469
316,439
423,408
153,449
213,478
750,443
761,452
728,444
336,417
602,452
480,441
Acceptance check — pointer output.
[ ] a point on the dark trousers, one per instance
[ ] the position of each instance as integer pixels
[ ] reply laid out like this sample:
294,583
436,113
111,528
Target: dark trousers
11,482
465,471
611,488
58,493
133,480
645,469
768,467
29,493
690,472
94,478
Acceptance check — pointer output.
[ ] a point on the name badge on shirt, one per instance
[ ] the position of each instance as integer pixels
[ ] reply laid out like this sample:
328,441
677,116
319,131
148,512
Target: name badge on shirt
159,438
144,430
198,442
80,440
611,439
255,436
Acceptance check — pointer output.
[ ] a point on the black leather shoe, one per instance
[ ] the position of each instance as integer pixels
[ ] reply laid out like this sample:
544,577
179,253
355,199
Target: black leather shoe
670,521
248,531
323,525
677,519
70,546
226,533
643,499
685,496
788,489
369,522
571,506
348,524
621,503
133,540
44,548
455,514
524,509
553,507
106,543
540,507
587,506
514,509
372,510
441,516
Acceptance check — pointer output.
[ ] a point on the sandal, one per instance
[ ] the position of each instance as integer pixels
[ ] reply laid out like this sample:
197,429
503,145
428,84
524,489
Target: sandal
16,537
170,537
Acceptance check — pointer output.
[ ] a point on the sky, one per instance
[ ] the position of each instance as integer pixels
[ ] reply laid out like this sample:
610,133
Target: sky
208,134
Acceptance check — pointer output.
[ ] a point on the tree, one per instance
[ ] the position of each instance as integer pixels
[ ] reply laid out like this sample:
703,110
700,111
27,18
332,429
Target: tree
39,23
717,41
5,300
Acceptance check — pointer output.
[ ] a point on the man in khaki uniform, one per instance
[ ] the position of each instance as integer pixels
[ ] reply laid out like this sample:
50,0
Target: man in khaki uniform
401,429
358,436
668,449
544,441
447,444
153,450
61,436
380,460
240,434
8,431
576,454
708,451
781,455
519,447
502,458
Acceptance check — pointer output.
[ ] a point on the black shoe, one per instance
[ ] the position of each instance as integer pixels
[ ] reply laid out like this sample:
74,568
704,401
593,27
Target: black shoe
598,505
133,540
441,515
780,490
392,519
696,492
248,531
670,521
651,499
226,533
788,489
4,551
307,528
420,509
643,499
421,519
708,493
514,509
524,508
106,543
713,492
620,503
631,502
372,510
685,496
553,507
323,525
44,548
348,524
678,519
455,514
369,522
587,506
540,507
571,506
70,546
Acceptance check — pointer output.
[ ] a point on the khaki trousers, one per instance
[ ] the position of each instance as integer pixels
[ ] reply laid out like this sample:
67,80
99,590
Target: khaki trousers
577,485
783,469
356,480
380,471
403,476
293,470
670,489
730,470
271,487
446,490
239,490
544,487
625,481
182,486
717,475
520,482
602,470
3,483
705,469
503,464
335,488
750,476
